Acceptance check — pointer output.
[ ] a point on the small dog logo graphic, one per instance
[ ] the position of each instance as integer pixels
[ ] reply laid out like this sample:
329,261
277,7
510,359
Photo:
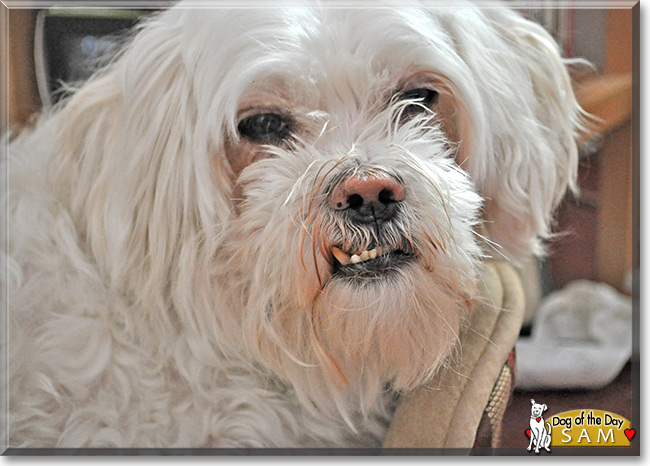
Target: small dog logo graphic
540,437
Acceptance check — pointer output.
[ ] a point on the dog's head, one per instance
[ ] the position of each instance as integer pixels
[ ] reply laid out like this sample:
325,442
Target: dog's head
312,179
537,409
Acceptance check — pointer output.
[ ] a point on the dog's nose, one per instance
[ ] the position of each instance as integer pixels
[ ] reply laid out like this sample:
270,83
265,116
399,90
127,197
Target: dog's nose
368,198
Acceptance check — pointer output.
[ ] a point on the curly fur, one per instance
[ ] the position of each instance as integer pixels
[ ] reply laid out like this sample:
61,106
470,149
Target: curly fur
158,297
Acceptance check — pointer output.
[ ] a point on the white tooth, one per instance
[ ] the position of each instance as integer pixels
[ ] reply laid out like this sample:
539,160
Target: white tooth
355,259
342,257
364,256
373,253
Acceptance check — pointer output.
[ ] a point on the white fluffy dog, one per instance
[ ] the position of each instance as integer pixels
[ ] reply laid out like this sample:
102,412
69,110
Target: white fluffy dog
254,227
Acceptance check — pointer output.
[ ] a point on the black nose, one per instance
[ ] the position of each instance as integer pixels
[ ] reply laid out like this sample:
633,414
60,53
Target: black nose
368,199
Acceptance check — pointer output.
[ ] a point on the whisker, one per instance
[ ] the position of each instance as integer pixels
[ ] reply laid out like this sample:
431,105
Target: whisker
492,244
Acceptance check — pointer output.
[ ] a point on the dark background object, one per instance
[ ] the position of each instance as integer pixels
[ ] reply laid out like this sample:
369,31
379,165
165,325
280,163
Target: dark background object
71,44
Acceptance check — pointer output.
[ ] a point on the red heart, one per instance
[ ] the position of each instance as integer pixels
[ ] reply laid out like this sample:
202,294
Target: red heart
538,419
528,432
629,433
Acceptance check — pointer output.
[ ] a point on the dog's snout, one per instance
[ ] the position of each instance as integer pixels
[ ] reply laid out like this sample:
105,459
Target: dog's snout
368,198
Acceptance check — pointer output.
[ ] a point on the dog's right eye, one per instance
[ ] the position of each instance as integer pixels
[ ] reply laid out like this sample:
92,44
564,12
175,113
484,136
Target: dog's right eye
269,128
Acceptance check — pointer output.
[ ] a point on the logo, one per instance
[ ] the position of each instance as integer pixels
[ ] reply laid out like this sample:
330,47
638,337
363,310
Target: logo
540,434
577,428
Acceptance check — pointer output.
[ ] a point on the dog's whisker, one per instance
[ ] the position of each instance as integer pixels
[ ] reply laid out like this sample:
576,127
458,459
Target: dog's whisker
494,246
297,184
322,131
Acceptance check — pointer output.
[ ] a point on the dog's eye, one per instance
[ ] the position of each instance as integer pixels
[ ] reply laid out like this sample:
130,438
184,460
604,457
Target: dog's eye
423,97
265,128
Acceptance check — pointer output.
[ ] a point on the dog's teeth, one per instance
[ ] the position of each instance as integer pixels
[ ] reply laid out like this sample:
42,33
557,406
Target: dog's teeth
340,256
344,259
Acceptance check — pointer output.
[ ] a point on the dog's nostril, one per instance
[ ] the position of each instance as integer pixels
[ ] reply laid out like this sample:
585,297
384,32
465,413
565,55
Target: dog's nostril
386,196
355,201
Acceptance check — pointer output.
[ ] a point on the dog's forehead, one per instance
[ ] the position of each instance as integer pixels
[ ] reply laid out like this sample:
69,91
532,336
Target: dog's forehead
327,50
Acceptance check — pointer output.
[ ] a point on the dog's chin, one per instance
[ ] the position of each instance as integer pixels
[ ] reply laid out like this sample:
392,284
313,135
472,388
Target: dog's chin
362,306
387,319
339,332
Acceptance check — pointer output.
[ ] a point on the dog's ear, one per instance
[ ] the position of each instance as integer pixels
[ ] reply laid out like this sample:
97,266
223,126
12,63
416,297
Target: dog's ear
544,407
140,174
532,402
536,157
520,146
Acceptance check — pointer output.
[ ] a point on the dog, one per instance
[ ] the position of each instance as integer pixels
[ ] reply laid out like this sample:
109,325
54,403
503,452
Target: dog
539,436
257,228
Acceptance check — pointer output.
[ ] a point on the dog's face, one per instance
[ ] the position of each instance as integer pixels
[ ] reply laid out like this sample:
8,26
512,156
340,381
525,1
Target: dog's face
537,409
356,220
323,172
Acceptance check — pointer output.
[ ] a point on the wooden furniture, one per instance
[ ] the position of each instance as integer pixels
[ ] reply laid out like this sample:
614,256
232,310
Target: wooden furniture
602,224
618,245
615,224
23,94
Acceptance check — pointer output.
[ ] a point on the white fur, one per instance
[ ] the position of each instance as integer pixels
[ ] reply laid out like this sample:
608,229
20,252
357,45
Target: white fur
150,308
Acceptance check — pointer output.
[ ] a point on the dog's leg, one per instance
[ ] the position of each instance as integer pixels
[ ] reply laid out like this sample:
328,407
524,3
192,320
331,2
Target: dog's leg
547,443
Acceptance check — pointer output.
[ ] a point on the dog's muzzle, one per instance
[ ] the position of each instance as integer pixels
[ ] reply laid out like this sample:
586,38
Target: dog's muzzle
369,202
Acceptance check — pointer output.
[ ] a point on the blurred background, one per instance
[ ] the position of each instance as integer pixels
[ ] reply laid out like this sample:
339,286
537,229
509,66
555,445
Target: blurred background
598,230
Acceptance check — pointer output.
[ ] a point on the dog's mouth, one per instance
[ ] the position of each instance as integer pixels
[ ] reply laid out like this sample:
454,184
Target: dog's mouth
375,262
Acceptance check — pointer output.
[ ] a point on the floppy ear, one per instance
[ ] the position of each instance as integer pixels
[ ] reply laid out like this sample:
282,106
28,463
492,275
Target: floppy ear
524,120
544,407
537,158
142,179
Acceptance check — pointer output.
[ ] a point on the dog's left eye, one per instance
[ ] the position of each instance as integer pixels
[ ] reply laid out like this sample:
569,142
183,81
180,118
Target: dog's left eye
265,128
423,97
